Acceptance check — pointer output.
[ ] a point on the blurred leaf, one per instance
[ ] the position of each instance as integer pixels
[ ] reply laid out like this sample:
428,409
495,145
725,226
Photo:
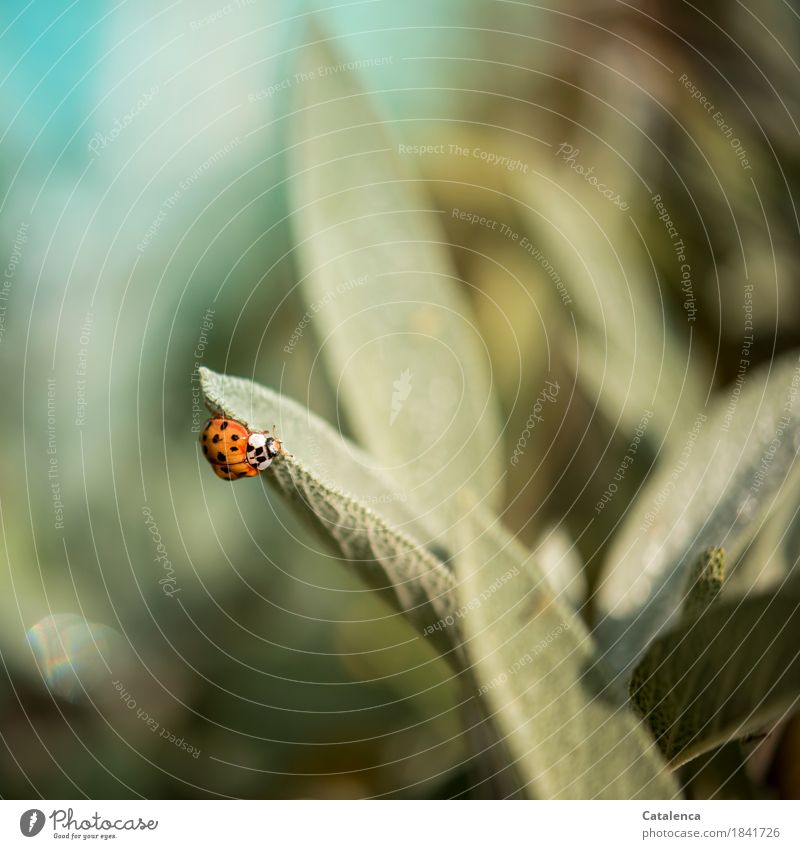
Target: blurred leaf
793,542
624,346
333,486
732,671
396,329
560,563
537,668
715,489
431,743
772,557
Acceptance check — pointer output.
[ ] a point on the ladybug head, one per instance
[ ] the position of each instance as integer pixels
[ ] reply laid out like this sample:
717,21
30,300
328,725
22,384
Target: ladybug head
262,449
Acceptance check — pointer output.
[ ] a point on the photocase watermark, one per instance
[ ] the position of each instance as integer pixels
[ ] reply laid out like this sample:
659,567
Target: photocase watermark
218,14
65,825
744,358
199,412
401,390
32,822
570,155
80,370
499,160
524,660
317,74
183,186
152,723
677,471
719,119
99,141
627,461
10,272
341,289
473,603
680,255
548,395
524,243
53,474
168,583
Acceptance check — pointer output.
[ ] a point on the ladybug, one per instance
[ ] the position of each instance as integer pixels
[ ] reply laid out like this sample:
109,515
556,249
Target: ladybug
235,452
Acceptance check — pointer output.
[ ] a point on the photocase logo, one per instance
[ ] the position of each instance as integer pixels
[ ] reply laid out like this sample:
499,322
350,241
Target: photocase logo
402,389
31,822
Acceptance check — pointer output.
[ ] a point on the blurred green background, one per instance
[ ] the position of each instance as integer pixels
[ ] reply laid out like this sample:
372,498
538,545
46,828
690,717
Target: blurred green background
146,229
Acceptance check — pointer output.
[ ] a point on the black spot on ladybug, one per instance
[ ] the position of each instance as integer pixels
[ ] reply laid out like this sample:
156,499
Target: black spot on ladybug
223,425
259,452
205,450
216,438
221,457
234,448
226,469
205,437
235,437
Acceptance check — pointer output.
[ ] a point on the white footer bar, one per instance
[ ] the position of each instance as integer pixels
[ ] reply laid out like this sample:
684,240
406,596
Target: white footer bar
406,824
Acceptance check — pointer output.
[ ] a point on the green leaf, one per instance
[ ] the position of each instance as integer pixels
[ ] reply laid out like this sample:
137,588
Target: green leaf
537,668
558,559
772,556
733,671
395,326
361,512
734,465
703,583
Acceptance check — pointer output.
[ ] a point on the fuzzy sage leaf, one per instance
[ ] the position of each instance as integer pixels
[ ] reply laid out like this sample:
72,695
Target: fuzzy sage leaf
338,490
538,670
703,583
735,463
732,671
396,328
